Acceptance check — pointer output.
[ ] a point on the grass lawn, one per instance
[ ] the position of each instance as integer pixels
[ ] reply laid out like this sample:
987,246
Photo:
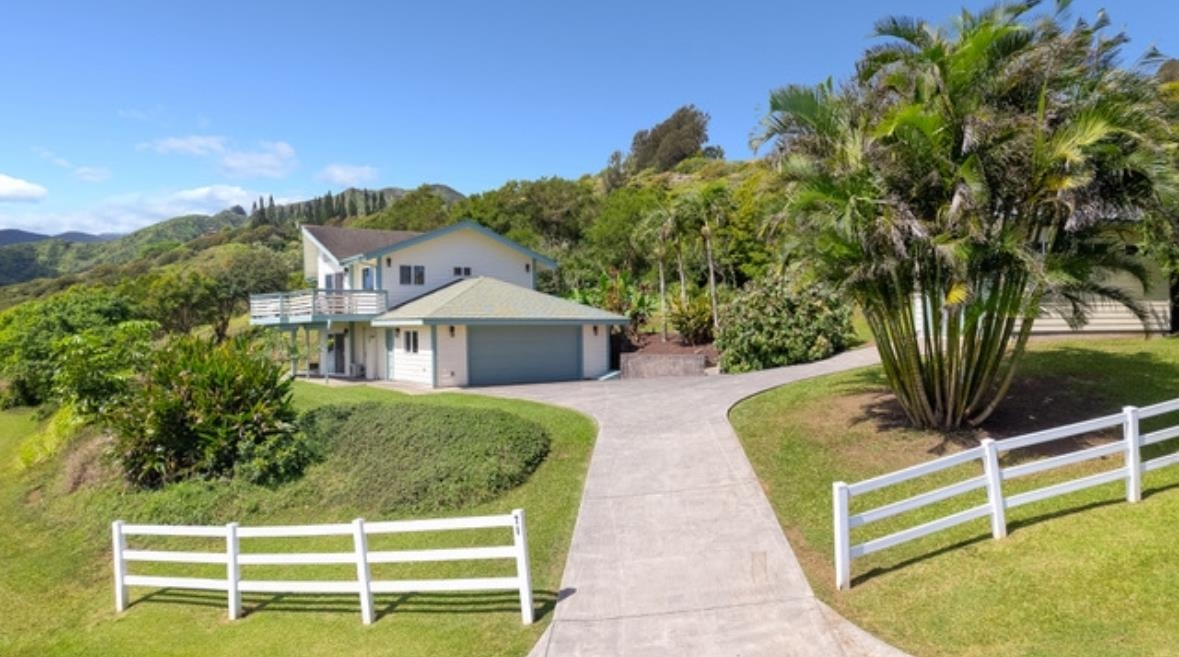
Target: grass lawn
1082,574
56,573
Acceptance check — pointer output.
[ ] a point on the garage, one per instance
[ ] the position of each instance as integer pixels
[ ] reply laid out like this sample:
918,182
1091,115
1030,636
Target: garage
499,355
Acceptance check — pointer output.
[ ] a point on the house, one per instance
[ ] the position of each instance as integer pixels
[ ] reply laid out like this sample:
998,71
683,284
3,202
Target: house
455,306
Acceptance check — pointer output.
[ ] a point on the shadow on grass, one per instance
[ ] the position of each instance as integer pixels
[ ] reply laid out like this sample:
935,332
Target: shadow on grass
477,602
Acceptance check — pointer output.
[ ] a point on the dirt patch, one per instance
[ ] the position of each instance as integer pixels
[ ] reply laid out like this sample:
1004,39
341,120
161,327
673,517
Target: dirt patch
34,497
653,344
86,464
1032,404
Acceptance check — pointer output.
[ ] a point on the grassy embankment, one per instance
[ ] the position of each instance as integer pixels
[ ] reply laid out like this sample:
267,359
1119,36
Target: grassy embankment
56,574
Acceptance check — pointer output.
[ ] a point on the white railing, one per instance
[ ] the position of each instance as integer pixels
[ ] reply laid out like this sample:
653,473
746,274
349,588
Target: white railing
364,586
991,477
304,305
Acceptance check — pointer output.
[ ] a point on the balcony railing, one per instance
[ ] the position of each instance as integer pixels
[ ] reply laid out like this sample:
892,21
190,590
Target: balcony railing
315,305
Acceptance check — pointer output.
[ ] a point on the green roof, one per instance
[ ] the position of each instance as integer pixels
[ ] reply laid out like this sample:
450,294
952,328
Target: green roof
492,301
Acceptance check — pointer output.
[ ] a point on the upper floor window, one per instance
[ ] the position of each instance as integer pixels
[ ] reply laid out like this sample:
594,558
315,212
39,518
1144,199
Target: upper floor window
333,281
412,275
462,271
366,279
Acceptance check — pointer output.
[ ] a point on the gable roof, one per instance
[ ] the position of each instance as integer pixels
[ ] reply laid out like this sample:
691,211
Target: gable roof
465,224
345,243
485,300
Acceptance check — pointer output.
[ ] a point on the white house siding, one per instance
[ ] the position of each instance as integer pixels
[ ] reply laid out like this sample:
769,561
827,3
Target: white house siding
325,268
1104,317
595,351
462,248
452,357
416,368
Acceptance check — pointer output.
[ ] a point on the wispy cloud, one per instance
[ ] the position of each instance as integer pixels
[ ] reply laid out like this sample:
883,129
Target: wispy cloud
191,145
347,175
151,114
18,190
86,173
92,174
271,159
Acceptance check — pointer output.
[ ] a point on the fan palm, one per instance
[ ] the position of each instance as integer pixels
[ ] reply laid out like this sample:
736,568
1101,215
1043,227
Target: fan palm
963,177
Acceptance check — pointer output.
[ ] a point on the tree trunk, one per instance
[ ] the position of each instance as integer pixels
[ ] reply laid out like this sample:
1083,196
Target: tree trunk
679,255
663,298
711,278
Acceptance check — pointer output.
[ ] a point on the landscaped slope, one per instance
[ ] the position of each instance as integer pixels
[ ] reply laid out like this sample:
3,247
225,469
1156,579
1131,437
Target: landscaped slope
1083,574
57,568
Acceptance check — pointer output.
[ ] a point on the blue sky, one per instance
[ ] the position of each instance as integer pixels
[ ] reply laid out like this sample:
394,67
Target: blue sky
119,114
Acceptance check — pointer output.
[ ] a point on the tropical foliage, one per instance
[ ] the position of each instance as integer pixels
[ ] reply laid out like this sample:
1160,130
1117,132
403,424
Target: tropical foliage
772,323
207,410
975,171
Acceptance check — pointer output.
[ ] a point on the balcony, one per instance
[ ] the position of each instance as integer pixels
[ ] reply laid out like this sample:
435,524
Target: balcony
316,306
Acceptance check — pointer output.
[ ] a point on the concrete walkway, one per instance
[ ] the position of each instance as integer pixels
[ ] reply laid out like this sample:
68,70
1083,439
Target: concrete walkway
677,550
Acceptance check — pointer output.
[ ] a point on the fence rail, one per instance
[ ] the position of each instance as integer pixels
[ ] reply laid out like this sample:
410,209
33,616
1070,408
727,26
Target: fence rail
992,477
363,586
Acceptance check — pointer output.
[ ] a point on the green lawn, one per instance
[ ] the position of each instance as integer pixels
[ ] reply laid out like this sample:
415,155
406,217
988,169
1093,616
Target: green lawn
1083,574
56,578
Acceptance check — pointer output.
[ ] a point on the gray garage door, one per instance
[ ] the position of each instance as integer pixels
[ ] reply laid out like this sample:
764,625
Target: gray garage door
523,354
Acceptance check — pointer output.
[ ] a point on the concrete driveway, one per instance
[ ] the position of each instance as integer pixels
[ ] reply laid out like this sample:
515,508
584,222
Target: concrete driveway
676,549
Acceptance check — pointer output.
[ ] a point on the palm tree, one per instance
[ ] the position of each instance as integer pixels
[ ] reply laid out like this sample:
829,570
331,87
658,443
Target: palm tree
966,175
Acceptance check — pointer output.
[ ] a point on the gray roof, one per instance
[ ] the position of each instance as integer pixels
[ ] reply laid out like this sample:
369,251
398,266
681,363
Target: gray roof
485,300
347,242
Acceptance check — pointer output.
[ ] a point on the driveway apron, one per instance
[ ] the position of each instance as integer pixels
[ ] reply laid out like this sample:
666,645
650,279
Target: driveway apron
676,549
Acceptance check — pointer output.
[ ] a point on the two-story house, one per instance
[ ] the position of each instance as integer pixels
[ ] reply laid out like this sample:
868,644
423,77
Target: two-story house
452,307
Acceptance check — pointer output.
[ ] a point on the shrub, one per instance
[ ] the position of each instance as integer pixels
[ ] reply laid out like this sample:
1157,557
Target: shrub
693,320
770,324
209,410
420,458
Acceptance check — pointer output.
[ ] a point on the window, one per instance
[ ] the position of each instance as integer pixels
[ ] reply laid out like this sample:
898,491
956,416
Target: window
527,268
366,278
412,274
411,341
462,271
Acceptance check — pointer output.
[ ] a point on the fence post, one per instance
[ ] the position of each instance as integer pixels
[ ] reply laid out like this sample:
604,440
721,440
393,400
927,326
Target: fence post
1133,454
362,573
841,497
994,475
233,571
523,571
119,543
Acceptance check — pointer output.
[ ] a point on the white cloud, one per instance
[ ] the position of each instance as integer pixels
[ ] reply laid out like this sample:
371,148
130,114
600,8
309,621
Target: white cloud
88,174
15,189
191,145
347,175
128,212
272,160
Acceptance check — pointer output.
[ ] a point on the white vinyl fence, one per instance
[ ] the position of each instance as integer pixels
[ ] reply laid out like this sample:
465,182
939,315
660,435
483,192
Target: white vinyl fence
364,586
991,477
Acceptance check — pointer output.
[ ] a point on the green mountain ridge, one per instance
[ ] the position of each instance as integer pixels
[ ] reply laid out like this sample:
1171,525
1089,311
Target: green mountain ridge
26,256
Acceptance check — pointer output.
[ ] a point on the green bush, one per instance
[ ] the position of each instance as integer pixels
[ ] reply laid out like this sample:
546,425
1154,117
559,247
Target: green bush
420,458
693,320
770,324
209,410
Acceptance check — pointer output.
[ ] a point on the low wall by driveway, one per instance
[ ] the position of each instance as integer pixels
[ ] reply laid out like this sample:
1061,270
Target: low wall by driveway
649,366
